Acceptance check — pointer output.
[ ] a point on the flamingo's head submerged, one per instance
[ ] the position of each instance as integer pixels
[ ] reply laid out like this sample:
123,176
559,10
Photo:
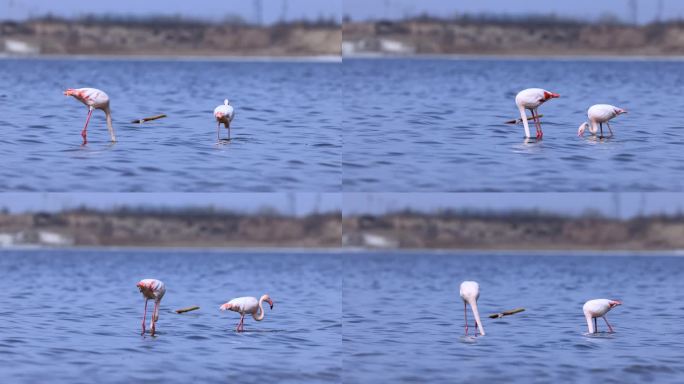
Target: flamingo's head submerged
614,303
226,307
267,299
582,128
550,95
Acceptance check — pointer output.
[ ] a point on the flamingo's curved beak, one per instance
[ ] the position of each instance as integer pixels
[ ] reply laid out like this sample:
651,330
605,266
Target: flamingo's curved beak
550,95
270,302
621,111
225,307
615,303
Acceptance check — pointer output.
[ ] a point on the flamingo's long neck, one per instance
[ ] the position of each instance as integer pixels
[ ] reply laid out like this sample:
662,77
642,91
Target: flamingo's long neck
590,323
593,127
259,315
523,115
476,314
110,126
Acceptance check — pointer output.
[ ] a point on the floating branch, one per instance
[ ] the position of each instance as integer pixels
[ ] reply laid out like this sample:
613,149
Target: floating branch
188,309
506,313
146,119
518,121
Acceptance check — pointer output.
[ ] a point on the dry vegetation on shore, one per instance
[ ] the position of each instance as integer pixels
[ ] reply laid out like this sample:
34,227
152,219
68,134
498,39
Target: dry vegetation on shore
164,36
513,231
525,230
533,35
170,228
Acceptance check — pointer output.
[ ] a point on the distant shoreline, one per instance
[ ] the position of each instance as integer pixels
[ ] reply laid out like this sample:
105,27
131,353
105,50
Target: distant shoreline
541,36
246,249
194,58
486,57
522,252
358,250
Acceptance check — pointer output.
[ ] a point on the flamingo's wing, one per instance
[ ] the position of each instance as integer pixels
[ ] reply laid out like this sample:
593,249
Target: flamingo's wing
597,307
602,112
225,110
530,98
245,304
94,96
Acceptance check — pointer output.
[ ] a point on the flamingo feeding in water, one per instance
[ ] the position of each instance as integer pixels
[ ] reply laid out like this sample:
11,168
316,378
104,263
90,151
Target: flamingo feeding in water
151,289
93,99
224,115
599,114
530,99
470,292
598,308
245,305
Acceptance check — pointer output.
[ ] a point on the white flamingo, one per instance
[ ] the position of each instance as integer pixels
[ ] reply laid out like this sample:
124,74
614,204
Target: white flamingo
224,114
598,308
151,289
470,292
530,99
245,305
599,114
93,99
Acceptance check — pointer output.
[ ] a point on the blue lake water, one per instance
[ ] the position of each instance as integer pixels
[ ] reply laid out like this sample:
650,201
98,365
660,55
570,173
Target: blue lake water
286,133
438,125
403,319
73,316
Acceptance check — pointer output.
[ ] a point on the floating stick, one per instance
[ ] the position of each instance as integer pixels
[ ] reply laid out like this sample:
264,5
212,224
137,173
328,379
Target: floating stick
518,121
188,309
506,313
140,121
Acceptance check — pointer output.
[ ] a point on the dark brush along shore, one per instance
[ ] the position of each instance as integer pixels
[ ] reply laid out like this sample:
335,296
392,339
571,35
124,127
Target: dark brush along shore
513,231
169,228
168,37
511,36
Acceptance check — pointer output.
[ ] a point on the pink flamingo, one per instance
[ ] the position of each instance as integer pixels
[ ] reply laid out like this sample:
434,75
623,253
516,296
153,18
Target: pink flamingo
470,292
599,114
598,308
531,99
151,289
244,305
224,115
93,99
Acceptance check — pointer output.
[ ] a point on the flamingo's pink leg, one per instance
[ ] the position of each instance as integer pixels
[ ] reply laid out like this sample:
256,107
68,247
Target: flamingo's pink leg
154,316
144,316
595,326
537,123
465,315
228,131
218,131
84,132
608,324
